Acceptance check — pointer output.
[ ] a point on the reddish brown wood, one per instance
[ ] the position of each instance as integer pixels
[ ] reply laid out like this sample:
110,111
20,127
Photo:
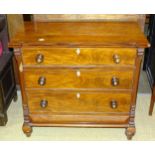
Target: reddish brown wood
62,102
130,131
19,63
80,34
78,90
78,56
83,120
87,78
27,129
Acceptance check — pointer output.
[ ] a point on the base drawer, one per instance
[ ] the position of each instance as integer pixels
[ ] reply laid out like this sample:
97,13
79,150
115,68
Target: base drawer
59,102
79,120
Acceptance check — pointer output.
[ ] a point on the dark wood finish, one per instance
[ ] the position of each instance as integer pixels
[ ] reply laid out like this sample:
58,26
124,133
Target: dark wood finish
15,24
3,32
82,74
149,63
7,81
7,85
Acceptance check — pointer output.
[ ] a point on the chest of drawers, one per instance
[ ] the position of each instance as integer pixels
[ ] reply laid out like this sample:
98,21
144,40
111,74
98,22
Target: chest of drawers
79,74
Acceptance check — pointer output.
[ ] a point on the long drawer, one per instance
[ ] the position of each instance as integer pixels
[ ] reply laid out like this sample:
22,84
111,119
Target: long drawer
74,102
112,78
78,56
83,120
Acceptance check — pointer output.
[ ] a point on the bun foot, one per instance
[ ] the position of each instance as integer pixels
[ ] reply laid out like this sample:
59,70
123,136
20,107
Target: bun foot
130,132
27,129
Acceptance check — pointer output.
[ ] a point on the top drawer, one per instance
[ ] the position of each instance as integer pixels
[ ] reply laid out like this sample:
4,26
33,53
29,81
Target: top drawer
79,56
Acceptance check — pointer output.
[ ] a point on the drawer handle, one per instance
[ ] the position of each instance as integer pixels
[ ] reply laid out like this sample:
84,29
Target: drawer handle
43,103
42,81
113,104
115,81
78,51
78,95
78,73
116,58
39,58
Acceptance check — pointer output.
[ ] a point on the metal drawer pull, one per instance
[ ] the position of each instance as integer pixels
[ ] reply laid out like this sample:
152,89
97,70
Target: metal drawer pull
78,95
43,103
42,81
39,58
78,73
78,51
113,104
115,81
116,58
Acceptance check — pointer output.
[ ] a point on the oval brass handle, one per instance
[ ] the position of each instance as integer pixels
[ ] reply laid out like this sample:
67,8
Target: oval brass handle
42,81
43,103
39,58
116,58
115,81
113,104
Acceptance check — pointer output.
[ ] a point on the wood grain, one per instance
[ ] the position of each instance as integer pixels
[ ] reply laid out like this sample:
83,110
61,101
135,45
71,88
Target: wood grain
86,56
89,78
69,103
15,24
75,17
80,34
78,87
79,120
140,18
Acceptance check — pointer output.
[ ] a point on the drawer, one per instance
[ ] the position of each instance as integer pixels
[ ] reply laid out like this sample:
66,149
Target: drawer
112,78
79,56
82,120
59,102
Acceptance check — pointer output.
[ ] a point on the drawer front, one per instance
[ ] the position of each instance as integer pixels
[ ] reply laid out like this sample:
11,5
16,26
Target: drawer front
112,78
82,120
78,56
77,102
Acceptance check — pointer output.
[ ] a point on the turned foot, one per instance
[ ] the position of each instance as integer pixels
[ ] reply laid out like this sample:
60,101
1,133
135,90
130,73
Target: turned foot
27,129
130,132
15,98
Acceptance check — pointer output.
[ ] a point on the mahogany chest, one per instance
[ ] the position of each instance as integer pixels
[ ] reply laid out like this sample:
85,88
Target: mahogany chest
79,74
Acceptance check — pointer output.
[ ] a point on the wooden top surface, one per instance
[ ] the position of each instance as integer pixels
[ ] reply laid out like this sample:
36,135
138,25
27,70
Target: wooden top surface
80,34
